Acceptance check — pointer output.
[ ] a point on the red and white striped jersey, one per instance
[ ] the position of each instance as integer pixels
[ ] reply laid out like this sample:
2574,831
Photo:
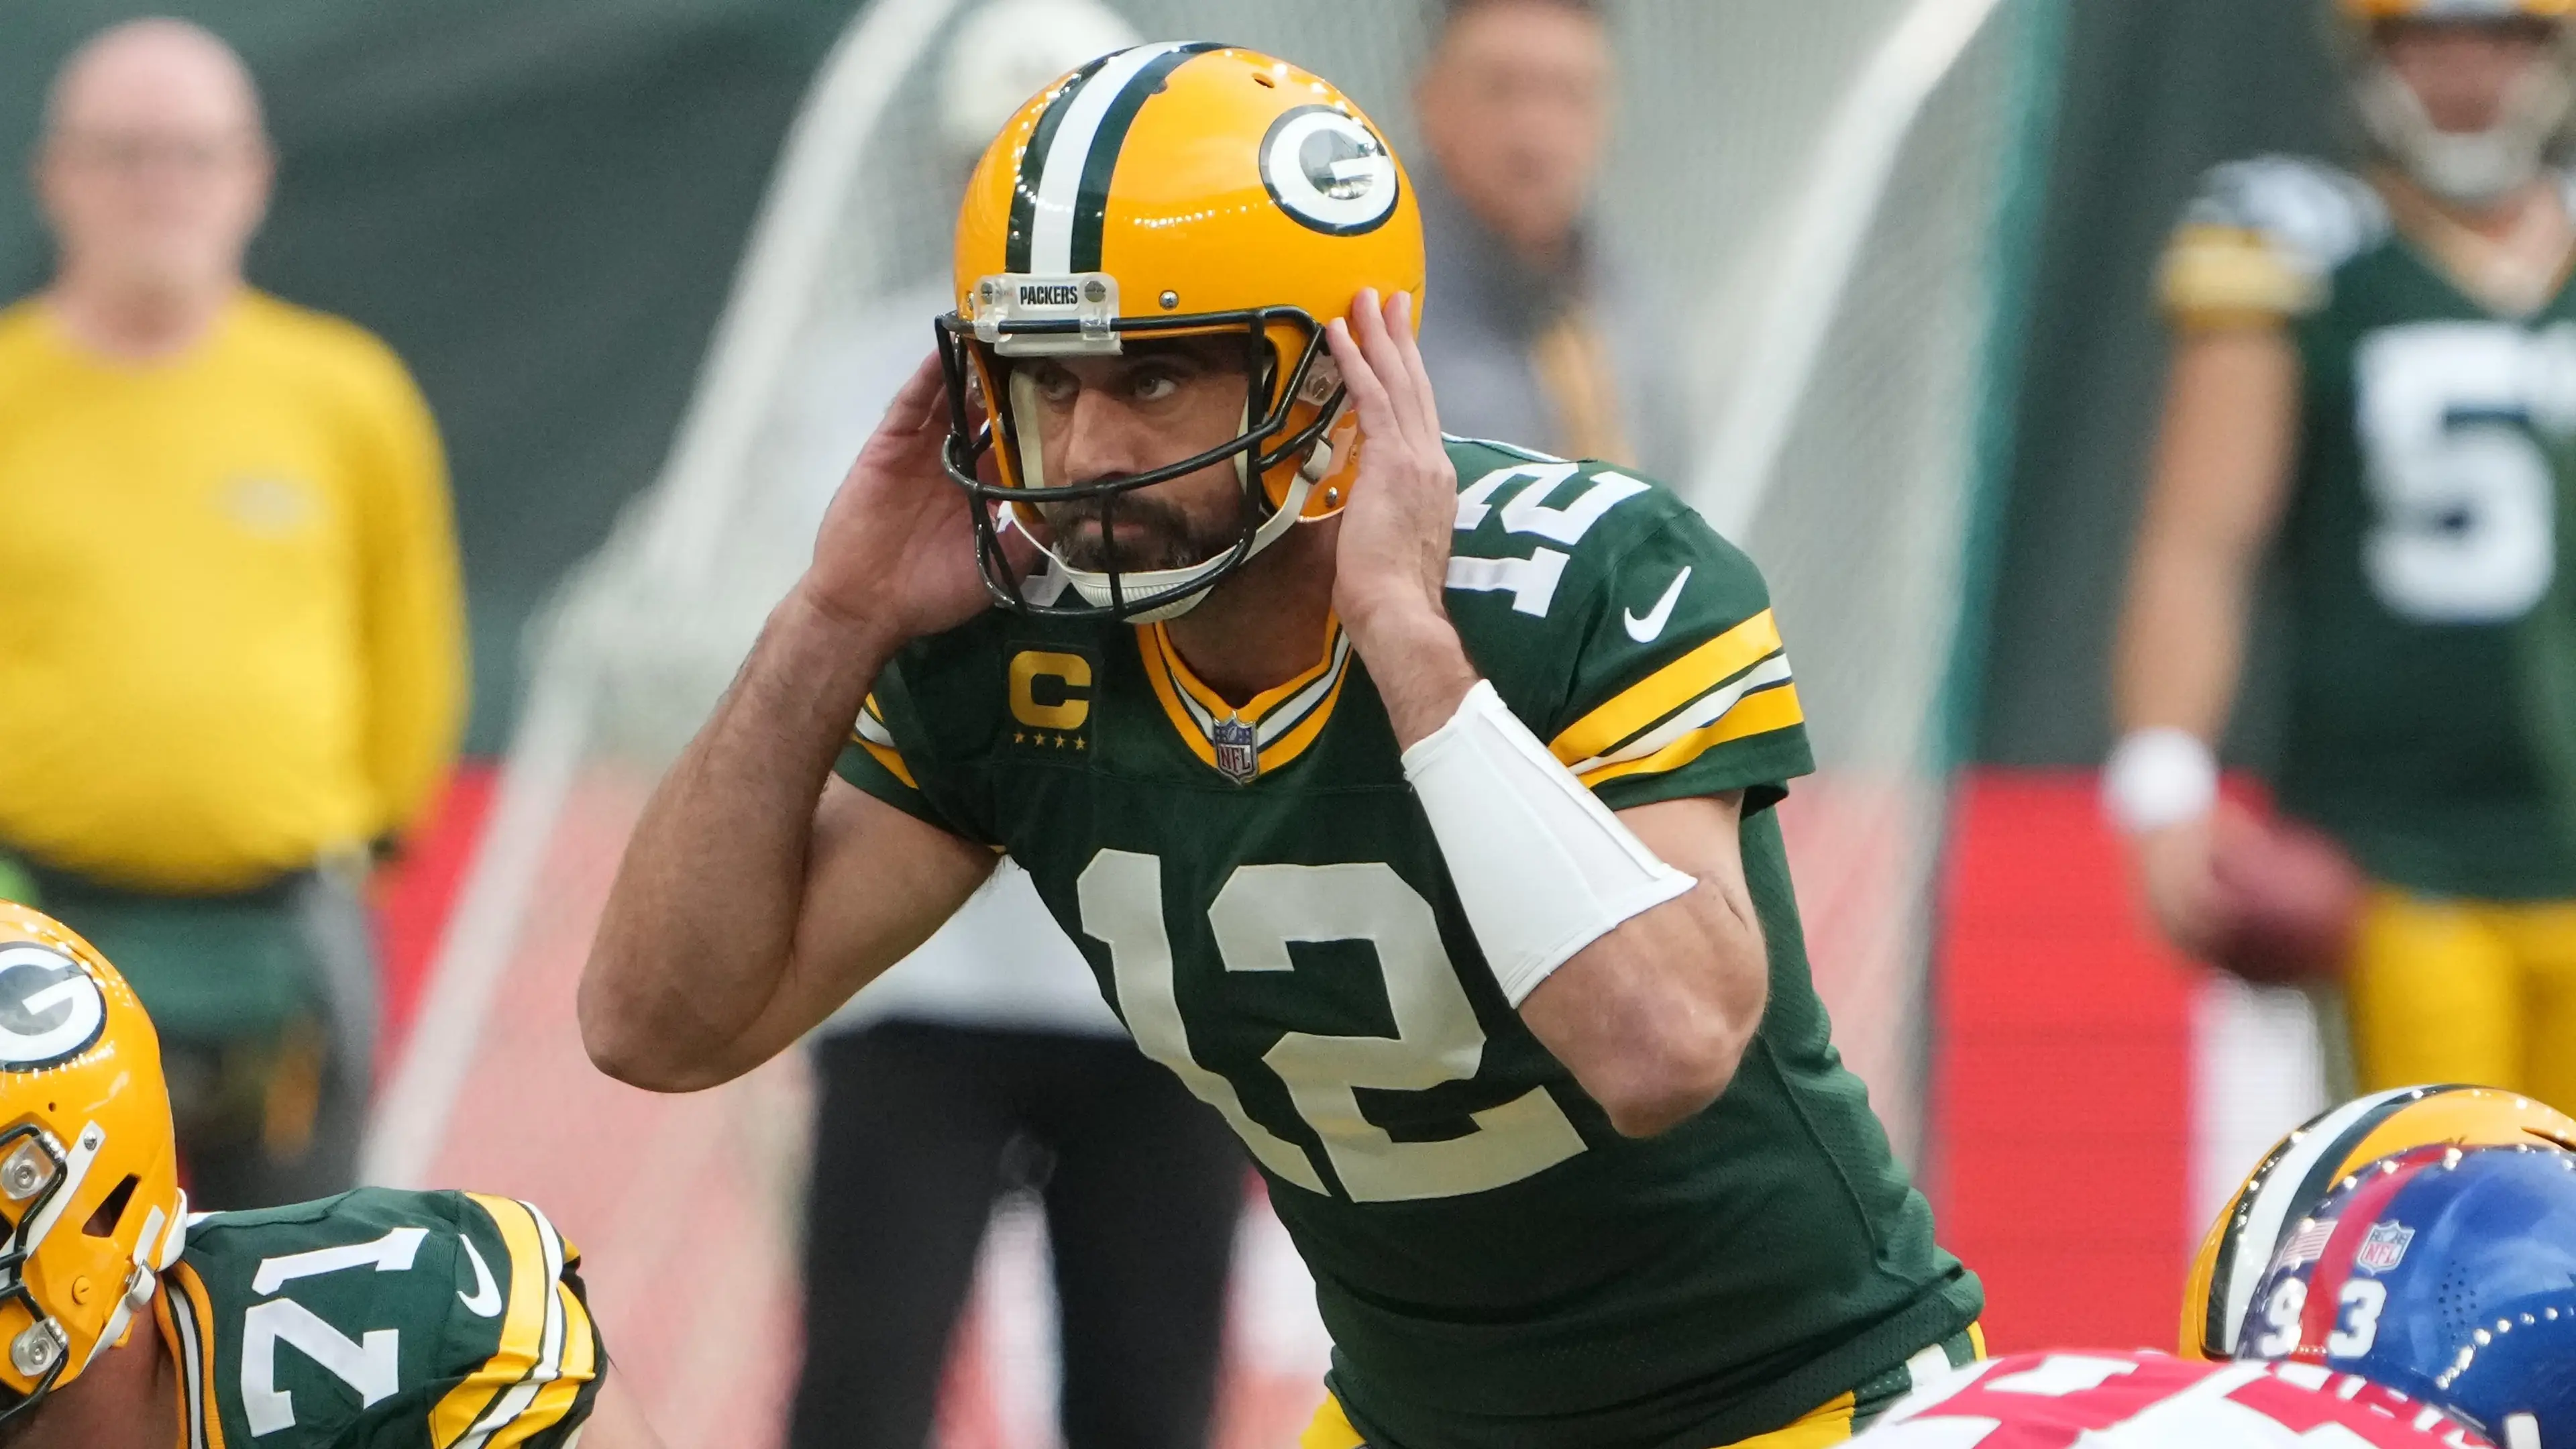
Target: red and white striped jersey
2154,1401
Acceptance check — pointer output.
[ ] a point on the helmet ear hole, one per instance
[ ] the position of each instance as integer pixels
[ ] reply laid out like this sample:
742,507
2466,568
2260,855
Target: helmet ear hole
111,1210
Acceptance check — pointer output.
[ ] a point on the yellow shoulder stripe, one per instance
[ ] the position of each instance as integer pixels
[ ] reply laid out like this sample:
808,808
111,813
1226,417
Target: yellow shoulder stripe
1757,714
1668,689
871,735
580,1366
523,1325
2214,272
885,755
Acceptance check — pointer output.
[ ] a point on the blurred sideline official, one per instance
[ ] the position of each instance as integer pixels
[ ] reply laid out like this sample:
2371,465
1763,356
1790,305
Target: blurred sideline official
1524,290
231,654
986,1062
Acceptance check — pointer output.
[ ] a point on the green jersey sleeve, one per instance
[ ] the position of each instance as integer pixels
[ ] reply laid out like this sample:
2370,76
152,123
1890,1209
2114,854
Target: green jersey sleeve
1681,685
393,1320
1631,638
915,742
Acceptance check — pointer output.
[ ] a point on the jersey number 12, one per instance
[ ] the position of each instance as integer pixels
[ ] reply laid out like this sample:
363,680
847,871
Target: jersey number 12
1262,908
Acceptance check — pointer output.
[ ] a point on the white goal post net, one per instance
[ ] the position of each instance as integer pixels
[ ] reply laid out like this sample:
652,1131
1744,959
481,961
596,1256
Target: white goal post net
1827,195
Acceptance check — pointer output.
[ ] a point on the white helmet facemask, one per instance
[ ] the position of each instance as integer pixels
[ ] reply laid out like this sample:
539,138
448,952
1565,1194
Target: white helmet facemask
1148,583
2470,168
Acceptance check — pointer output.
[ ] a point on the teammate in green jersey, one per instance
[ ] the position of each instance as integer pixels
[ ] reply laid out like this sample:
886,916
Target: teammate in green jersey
2368,370
390,1320
1424,831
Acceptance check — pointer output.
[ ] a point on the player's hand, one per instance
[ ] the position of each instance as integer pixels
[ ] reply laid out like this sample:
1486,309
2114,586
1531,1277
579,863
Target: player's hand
1392,560
2177,871
895,554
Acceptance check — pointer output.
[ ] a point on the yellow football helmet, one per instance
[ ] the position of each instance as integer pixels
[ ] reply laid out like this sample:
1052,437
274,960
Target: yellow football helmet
2465,168
89,1170
1161,191
2303,1167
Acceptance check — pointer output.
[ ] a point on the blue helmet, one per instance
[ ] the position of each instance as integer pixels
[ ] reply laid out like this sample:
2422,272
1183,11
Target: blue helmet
2445,1273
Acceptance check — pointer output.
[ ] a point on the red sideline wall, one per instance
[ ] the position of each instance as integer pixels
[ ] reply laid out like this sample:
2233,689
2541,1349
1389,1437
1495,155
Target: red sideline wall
414,896
2062,1073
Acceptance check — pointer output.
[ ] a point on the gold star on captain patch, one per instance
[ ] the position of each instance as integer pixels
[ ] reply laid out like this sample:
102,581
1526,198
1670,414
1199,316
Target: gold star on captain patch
1080,744
1059,742
1019,737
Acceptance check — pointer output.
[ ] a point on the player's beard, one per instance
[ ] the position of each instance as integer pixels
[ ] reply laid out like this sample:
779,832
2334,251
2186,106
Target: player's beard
1153,534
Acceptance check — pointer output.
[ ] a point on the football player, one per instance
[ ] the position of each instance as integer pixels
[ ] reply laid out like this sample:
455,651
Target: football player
2286,1186
2367,369
2447,1273
1424,830
439,1320
2144,1400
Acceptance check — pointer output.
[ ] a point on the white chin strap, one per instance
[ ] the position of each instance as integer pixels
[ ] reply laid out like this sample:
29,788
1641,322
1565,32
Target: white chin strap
2468,168
1146,583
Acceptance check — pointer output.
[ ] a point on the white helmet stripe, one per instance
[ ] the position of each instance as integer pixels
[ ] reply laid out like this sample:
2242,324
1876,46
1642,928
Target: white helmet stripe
1069,151
2280,1194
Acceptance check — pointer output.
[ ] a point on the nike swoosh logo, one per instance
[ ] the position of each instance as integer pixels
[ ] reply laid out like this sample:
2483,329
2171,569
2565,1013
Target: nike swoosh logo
485,1301
1651,627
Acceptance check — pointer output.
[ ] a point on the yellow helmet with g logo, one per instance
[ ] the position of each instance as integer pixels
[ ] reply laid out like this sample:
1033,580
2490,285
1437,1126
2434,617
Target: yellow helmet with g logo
2465,168
1179,189
2303,1167
89,1173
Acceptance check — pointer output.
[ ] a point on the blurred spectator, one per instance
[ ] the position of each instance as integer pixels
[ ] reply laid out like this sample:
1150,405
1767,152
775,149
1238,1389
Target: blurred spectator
2364,369
986,1061
1525,293
230,644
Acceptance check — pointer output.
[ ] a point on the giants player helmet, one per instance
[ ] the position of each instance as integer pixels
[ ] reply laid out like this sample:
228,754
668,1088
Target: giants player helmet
2448,1273
2303,1167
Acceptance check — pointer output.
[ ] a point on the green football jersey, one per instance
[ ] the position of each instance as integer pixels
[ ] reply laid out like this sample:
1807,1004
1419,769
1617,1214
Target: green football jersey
390,1320
2420,534
1266,907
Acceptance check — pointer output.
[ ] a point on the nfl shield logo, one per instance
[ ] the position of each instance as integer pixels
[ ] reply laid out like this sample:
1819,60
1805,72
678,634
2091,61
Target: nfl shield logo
1238,750
2383,1247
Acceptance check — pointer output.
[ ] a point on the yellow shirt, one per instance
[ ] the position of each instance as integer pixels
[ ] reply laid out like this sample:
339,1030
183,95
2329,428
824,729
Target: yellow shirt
231,627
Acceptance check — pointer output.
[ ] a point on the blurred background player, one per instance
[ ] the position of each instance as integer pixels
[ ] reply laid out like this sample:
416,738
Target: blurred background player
2359,366
987,1060
2447,1274
1525,287
372,1318
231,657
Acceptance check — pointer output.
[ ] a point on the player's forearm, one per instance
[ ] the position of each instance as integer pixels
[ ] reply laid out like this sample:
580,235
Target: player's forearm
699,930
2182,639
1654,1018
2222,480
1418,663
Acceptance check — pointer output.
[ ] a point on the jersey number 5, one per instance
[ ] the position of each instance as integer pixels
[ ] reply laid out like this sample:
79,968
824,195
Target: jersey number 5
2449,414
370,1364
1258,912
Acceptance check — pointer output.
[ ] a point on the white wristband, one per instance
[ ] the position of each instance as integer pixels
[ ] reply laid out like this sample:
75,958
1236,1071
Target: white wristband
2158,777
1542,868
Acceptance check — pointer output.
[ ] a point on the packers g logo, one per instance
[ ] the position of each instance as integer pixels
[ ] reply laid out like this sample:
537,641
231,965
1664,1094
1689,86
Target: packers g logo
50,1009
1329,171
